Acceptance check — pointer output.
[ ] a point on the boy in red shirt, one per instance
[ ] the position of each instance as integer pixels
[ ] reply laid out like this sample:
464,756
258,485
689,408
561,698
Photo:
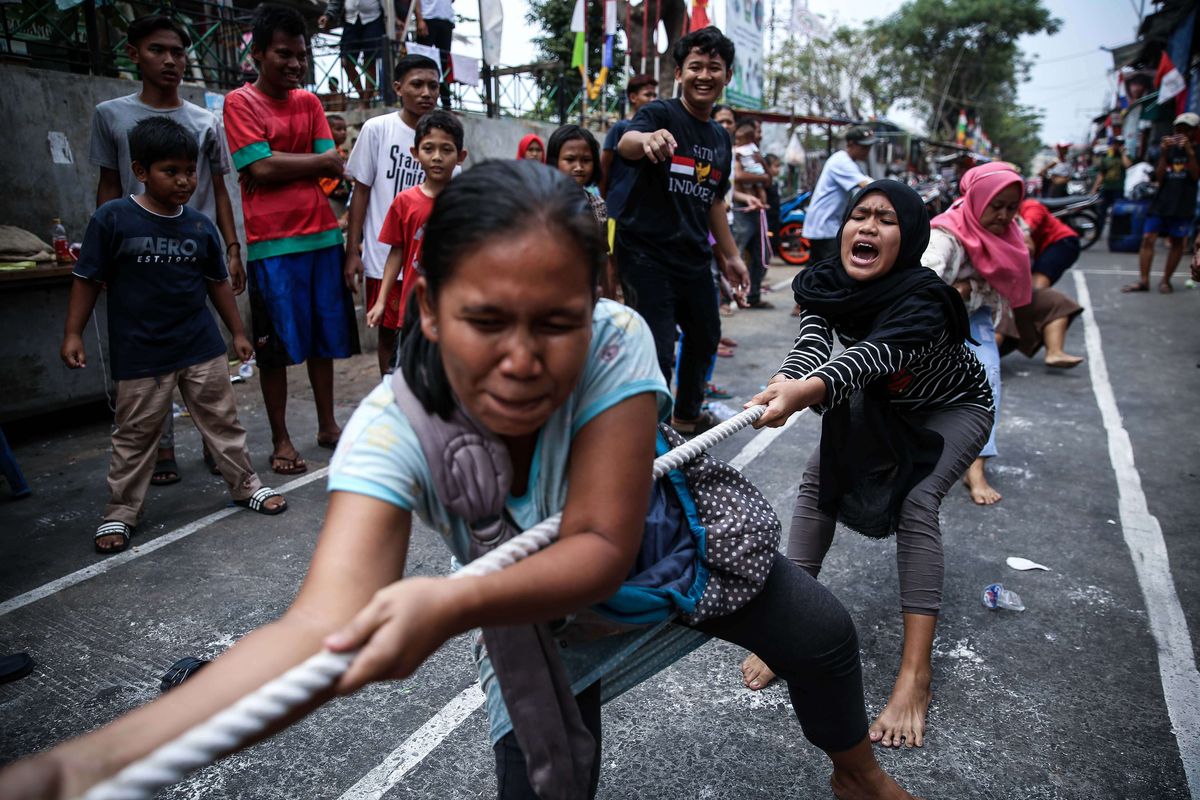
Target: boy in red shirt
282,146
438,145
1055,243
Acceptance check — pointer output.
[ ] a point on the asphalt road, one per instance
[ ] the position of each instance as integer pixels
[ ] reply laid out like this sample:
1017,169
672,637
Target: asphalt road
1085,694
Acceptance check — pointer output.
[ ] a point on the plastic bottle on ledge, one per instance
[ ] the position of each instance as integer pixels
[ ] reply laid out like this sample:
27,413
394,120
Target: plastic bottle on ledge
62,247
996,596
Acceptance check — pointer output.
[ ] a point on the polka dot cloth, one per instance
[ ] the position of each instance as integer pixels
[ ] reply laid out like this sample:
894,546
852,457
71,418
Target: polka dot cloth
742,533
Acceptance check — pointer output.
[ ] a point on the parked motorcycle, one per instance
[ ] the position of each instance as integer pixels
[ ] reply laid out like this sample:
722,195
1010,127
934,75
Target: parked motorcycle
793,247
1081,212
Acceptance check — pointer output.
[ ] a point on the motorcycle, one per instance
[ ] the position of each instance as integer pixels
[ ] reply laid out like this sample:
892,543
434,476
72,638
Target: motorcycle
1081,212
793,247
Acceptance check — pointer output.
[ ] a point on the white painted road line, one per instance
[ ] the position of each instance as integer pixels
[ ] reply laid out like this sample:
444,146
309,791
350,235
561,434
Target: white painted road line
112,562
1143,537
758,445
376,783
1094,271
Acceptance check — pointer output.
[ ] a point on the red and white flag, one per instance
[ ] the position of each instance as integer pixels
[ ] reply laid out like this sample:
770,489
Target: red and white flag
1168,79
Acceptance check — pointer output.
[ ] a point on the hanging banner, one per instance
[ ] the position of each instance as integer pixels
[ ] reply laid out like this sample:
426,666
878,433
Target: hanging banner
491,23
744,24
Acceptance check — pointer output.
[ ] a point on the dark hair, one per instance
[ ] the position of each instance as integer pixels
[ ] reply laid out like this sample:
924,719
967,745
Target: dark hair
706,41
142,27
442,121
638,82
771,158
569,133
332,117
410,62
493,200
271,19
719,107
158,138
745,122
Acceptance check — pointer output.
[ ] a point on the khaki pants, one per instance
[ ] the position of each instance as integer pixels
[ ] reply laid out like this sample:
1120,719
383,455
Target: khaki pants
142,405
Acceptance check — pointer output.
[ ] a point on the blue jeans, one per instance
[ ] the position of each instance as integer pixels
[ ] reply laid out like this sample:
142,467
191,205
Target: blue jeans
988,354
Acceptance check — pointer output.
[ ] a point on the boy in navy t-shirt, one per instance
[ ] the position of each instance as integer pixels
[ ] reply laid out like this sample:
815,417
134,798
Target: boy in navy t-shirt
160,262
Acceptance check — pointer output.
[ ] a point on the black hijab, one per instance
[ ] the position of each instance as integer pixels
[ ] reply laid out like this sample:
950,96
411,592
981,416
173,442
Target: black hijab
871,455
909,305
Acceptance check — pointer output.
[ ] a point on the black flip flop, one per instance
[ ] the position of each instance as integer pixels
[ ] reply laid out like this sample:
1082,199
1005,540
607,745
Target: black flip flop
165,467
180,671
15,667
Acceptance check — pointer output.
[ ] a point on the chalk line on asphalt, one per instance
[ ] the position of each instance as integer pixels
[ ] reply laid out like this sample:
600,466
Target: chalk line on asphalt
112,562
376,783
1143,537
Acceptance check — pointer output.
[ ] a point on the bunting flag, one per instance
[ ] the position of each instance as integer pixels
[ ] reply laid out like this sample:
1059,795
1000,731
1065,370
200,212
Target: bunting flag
1122,96
578,26
699,15
960,136
610,32
1168,80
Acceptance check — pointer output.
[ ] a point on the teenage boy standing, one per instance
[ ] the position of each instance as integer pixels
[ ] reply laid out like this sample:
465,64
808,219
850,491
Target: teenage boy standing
682,159
281,144
614,178
157,45
382,166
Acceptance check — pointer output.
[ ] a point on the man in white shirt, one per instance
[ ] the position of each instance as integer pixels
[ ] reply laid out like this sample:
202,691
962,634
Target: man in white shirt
839,177
364,28
435,26
382,165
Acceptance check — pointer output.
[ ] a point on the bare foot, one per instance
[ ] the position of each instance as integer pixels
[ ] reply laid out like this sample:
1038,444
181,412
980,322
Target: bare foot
981,491
1063,360
756,674
858,776
903,718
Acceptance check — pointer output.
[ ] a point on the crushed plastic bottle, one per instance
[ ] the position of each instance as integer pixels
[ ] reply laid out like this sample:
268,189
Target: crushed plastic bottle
996,596
246,370
722,411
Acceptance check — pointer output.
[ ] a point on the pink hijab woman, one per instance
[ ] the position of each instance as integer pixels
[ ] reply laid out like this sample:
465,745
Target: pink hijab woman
978,248
997,249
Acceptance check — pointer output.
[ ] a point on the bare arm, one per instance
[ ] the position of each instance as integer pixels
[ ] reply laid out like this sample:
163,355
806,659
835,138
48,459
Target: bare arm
734,268
79,308
108,187
391,271
657,146
287,167
221,295
362,549
353,266
741,176
601,528
225,224
606,160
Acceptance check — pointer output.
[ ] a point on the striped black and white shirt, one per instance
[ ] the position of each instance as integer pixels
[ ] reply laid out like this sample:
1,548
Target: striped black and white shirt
939,374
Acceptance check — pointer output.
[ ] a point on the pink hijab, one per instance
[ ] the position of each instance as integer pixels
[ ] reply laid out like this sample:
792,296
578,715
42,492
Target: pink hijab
1003,261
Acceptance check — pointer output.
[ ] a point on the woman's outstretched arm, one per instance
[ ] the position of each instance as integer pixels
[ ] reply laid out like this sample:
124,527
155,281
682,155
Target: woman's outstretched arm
362,548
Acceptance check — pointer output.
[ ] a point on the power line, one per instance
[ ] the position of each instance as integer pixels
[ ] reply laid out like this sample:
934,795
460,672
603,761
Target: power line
1093,51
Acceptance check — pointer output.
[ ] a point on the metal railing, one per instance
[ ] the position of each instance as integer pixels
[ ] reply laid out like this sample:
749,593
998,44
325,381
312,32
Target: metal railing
87,38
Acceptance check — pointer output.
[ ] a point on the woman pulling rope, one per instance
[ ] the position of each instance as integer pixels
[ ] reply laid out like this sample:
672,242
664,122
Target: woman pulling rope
510,364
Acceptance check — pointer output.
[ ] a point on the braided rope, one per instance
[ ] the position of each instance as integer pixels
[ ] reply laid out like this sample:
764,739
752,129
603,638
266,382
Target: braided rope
250,716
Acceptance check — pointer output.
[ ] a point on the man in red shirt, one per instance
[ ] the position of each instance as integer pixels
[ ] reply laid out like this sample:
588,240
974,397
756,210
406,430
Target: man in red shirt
1055,245
301,311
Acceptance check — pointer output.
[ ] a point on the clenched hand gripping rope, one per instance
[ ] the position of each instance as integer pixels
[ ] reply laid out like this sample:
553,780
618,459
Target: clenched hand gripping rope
251,715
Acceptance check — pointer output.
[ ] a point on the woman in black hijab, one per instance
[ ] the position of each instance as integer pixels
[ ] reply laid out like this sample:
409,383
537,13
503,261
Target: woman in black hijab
906,408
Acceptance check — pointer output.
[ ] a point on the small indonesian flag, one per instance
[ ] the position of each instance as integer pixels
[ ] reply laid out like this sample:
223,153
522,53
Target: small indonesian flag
682,165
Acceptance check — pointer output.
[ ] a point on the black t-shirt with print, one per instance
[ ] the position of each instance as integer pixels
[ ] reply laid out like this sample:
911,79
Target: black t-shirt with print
665,216
156,270
1177,193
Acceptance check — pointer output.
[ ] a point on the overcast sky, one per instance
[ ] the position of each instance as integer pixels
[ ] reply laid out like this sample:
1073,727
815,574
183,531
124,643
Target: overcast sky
1068,84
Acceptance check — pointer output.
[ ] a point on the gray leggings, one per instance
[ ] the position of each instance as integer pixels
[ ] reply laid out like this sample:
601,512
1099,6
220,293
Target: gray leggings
919,536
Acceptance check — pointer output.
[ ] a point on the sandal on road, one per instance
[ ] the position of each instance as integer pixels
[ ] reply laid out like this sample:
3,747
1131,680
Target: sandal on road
1136,287
166,472
1166,288
15,667
284,465
328,442
112,528
258,502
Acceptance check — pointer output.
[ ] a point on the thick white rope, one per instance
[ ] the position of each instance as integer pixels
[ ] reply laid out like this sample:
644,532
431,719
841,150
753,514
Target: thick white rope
250,716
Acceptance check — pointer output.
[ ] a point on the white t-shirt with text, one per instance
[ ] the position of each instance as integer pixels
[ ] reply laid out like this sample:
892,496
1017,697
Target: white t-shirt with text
382,159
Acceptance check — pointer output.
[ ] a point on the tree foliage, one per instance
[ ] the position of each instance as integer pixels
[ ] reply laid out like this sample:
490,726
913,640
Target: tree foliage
945,55
557,43
840,75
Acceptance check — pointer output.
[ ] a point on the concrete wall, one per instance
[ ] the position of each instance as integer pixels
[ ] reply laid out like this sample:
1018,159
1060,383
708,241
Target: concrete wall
36,190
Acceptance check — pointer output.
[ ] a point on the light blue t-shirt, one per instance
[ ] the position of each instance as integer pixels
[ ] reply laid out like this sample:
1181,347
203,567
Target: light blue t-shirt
839,177
379,456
